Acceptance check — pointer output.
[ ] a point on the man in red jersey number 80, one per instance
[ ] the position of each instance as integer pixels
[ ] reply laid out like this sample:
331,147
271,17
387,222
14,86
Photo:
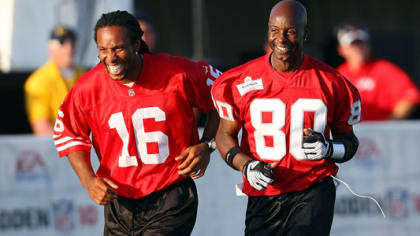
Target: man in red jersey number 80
286,103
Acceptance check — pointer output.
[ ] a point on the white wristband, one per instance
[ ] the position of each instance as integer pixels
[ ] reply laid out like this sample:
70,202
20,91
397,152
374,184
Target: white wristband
339,151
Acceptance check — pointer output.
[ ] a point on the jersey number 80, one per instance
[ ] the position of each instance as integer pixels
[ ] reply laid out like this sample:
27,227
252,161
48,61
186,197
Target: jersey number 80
273,129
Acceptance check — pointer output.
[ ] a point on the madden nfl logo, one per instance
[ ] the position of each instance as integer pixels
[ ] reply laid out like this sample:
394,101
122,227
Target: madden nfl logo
63,215
397,202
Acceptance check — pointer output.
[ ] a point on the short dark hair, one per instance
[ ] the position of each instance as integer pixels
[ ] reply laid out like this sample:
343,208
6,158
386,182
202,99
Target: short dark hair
123,19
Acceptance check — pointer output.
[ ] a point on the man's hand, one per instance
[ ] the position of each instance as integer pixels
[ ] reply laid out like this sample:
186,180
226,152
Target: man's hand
315,146
259,174
101,190
195,158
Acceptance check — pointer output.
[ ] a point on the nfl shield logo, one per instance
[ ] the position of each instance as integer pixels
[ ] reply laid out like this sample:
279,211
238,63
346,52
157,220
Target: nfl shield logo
131,92
397,202
63,215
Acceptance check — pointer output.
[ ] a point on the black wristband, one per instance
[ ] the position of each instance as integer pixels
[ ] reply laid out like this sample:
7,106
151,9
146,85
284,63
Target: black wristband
231,154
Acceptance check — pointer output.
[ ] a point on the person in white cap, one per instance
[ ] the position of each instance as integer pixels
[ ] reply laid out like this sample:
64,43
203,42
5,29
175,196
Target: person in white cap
387,92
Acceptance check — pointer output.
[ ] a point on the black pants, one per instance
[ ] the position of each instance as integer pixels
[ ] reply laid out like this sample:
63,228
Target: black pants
305,213
171,211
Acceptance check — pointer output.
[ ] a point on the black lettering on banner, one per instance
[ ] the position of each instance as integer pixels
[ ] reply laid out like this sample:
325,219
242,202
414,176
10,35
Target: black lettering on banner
353,206
19,219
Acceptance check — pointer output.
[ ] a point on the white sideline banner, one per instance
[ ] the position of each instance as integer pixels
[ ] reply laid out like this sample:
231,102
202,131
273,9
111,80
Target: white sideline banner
386,167
41,195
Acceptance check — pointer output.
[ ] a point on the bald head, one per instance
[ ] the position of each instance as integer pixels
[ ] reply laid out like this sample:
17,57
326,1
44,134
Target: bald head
287,29
290,9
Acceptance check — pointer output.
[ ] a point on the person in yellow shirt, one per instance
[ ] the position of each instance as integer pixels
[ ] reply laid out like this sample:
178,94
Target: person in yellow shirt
47,87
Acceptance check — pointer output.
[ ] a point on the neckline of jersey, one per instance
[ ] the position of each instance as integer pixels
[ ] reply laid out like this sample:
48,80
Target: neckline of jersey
281,75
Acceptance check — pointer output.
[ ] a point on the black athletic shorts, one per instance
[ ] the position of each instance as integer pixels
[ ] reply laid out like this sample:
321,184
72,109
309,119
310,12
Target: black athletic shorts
171,211
304,213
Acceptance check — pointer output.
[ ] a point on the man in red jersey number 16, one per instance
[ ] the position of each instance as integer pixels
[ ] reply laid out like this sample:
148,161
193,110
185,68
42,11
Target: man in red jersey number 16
136,109
286,104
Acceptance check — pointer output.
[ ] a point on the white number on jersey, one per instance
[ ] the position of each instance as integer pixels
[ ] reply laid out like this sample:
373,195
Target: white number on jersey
142,137
356,110
297,113
225,110
278,110
59,125
116,121
273,129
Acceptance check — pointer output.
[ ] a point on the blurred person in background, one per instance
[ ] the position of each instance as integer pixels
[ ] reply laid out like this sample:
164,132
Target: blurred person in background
47,87
387,92
149,35
135,109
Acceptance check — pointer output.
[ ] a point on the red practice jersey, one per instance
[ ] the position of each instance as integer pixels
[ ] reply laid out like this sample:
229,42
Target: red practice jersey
274,110
381,85
137,131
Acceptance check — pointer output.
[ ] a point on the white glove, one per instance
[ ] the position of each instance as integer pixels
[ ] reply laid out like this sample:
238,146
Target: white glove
259,174
315,146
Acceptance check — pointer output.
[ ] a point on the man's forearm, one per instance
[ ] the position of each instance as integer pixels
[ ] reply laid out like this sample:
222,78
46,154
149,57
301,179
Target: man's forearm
80,162
226,142
211,124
